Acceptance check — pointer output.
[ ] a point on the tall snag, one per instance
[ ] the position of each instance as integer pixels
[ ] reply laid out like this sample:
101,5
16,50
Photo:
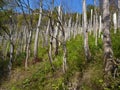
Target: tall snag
107,45
37,32
119,14
51,37
85,30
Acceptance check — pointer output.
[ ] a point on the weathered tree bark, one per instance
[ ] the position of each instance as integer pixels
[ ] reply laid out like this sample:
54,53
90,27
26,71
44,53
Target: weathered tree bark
11,39
108,53
94,25
51,37
57,31
76,26
11,56
51,43
24,39
47,33
69,27
96,22
119,14
64,47
100,26
85,30
43,38
28,49
91,23
37,33
21,41
115,22
96,31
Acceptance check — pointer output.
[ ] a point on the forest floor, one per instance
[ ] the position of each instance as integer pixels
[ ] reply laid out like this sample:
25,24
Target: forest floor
79,76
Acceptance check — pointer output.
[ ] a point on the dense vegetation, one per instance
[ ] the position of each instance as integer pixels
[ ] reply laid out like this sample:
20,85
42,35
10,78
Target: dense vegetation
39,76
47,48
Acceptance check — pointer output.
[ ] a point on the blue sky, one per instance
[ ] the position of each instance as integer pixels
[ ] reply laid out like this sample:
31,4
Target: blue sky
70,5
74,5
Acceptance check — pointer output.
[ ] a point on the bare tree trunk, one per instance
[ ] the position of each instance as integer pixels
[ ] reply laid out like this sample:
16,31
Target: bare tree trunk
51,38
37,33
51,44
76,26
47,33
56,39
115,22
57,31
86,46
119,14
43,39
100,26
69,27
108,53
28,49
25,38
94,26
11,56
96,22
91,23
96,31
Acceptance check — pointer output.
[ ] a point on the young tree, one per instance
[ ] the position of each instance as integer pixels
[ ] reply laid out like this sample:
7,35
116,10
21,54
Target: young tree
86,46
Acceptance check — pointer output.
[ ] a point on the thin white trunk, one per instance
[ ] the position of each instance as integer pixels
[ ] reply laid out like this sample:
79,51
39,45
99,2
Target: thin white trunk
119,14
69,26
91,23
86,46
11,55
96,30
47,33
28,49
100,26
37,33
94,26
115,22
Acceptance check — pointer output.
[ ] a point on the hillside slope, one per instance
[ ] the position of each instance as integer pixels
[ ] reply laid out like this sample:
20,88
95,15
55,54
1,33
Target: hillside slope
80,75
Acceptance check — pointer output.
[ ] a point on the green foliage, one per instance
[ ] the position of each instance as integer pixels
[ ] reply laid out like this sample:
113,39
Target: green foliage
19,60
116,43
44,78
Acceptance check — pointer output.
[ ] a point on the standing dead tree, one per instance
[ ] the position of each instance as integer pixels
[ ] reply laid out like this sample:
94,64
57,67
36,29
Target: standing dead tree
26,5
51,31
119,14
85,30
37,33
107,45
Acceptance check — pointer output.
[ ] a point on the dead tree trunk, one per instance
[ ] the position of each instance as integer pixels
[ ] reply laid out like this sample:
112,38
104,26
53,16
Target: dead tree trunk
108,53
100,26
91,22
37,33
28,49
115,22
86,46
51,37
119,14
47,33
11,55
